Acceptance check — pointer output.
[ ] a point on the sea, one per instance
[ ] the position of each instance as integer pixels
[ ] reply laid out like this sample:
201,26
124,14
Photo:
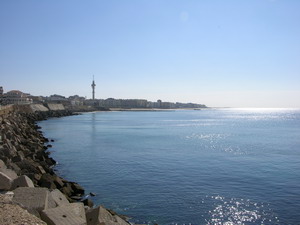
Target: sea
211,166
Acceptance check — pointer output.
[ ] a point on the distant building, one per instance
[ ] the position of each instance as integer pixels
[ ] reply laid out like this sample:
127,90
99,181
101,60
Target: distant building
158,105
37,99
123,103
91,102
167,105
1,91
57,98
139,103
76,100
15,97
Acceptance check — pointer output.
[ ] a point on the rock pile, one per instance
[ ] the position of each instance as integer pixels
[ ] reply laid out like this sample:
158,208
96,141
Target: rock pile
28,180
23,149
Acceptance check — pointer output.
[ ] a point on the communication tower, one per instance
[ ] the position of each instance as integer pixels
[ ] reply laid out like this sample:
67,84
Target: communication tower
93,87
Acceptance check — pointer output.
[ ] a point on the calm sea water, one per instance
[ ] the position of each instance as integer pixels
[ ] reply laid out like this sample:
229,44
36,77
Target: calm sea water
229,166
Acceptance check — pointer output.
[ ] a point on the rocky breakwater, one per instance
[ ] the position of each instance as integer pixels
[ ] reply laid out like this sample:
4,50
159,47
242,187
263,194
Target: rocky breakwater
30,191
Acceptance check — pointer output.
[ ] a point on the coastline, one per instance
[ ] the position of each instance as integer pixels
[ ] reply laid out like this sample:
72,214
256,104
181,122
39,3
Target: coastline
24,156
153,109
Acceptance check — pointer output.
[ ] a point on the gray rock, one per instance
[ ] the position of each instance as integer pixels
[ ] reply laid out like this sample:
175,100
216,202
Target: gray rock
120,221
78,209
59,198
88,202
22,181
5,181
48,184
28,165
41,169
47,181
19,157
2,165
100,216
67,189
62,215
51,202
10,173
15,168
33,199
77,189
58,182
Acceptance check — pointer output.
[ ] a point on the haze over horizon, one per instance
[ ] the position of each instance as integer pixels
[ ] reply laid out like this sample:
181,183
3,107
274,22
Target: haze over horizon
218,53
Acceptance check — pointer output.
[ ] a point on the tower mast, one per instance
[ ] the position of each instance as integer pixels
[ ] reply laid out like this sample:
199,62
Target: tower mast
93,87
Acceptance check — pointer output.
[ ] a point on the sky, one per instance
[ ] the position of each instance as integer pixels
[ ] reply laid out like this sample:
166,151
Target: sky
219,53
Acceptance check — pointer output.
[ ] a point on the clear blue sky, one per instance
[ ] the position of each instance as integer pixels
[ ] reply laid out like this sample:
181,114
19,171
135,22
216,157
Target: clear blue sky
219,53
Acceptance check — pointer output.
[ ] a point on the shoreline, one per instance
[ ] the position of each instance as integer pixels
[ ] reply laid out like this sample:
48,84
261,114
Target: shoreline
154,109
23,154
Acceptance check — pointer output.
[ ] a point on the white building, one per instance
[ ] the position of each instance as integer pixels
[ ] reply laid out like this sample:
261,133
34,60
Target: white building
15,97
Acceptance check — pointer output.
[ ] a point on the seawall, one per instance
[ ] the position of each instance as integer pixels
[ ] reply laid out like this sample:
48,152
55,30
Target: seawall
27,178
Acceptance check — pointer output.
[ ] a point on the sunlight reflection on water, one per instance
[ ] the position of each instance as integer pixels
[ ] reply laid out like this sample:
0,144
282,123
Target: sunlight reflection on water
240,211
215,142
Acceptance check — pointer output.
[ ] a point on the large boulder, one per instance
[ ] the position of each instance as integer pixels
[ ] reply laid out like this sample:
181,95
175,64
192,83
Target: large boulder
100,216
77,189
62,215
59,198
2,165
10,173
88,202
67,189
47,180
33,199
78,209
5,181
28,166
22,181
58,181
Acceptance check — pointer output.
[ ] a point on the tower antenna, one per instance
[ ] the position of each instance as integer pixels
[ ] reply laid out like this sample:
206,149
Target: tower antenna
93,87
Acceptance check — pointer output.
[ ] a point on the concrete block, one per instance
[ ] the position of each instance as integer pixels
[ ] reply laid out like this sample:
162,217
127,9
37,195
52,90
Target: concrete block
67,190
51,202
100,216
78,209
33,199
120,221
88,202
48,184
15,168
17,158
2,165
5,181
78,190
22,181
62,215
41,169
59,198
10,173
58,182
